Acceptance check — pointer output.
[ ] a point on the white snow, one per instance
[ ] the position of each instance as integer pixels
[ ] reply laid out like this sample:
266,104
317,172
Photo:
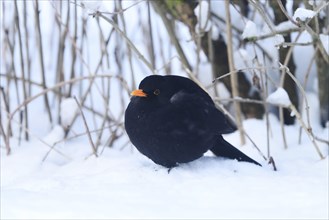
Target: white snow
303,14
250,30
69,108
55,135
125,184
285,26
315,2
279,97
202,13
278,39
92,5
313,111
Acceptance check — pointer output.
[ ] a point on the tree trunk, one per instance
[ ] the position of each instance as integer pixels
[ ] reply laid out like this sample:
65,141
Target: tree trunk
288,84
322,66
323,80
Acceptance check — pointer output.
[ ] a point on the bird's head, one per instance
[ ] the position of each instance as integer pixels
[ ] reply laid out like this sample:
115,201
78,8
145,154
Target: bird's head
154,86
167,89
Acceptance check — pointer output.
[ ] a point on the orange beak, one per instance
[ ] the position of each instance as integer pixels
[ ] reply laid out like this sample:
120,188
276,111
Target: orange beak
138,92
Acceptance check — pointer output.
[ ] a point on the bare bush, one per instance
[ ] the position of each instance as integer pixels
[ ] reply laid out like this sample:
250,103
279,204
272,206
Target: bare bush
65,60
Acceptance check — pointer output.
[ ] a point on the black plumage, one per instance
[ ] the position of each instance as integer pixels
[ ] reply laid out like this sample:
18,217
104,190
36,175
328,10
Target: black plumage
171,120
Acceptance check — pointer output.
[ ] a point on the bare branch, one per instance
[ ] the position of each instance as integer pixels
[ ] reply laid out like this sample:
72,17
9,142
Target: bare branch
234,79
87,128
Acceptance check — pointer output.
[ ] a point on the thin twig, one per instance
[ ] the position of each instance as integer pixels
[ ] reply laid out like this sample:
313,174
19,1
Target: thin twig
129,48
132,46
239,31
60,84
307,128
263,15
307,74
234,78
245,69
41,56
244,131
170,30
87,128
285,12
271,161
3,132
27,46
31,134
22,67
7,107
115,12
73,48
151,48
315,38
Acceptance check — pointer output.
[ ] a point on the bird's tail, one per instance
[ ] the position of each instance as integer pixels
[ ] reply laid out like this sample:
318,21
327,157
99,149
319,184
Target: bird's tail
223,148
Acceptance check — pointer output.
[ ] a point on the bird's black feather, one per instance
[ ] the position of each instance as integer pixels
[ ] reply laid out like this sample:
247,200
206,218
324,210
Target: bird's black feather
177,122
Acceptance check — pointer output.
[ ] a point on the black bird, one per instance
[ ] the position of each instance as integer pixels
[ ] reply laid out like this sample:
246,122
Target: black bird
171,120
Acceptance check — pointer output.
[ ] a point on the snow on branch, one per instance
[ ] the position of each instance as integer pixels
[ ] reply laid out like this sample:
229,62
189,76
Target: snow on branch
303,14
279,97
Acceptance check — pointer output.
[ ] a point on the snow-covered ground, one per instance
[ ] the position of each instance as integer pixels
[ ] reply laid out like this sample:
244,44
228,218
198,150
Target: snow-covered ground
125,184
40,183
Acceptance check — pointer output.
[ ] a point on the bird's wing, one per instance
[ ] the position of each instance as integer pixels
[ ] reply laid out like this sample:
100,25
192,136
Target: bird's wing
191,113
203,102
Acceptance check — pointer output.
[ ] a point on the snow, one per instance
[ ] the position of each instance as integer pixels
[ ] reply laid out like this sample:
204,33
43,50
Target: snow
315,2
69,108
93,5
279,97
303,14
202,13
250,30
284,26
55,135
237,20
125,184
278,39
313,111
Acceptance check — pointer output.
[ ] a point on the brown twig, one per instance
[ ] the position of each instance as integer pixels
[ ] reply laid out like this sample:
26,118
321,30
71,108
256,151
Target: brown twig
271,161
22,66
244,131
115,12
307,128
307,74
285,12
7,107
87,128
151,48
60,84
34,136
73,48
254,40
169,27
27,47
41,56
246,69
132,46
5,136
234,78
263,14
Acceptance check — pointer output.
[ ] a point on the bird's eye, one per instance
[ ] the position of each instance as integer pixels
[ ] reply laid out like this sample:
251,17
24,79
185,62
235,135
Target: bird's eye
156,92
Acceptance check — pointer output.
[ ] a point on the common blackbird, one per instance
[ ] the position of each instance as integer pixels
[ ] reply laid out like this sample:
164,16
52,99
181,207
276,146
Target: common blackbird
171,120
